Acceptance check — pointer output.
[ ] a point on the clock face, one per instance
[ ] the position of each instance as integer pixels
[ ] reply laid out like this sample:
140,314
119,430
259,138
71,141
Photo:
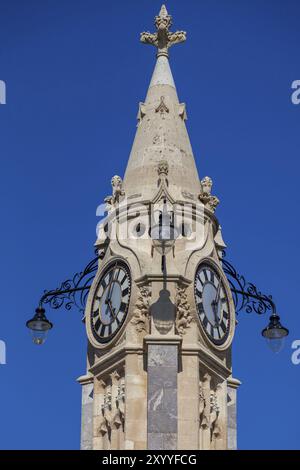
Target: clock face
212,304
110,302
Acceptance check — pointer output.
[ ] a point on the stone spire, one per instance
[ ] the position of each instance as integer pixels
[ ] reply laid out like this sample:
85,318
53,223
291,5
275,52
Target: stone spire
161,134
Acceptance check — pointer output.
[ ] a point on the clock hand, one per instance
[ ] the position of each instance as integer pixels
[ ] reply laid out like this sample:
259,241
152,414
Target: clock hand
110,287
111,309
215,303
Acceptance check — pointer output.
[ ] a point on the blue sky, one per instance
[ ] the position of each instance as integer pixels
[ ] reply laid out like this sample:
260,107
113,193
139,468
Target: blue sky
75,72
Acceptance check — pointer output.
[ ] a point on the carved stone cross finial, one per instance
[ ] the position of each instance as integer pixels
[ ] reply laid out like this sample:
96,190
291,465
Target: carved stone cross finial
164,38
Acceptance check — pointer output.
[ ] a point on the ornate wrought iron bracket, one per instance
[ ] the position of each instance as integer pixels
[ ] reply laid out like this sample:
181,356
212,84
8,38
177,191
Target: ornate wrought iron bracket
246,296
72,292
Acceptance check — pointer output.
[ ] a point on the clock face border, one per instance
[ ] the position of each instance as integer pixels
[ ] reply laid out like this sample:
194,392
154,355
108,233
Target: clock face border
226,340
97,341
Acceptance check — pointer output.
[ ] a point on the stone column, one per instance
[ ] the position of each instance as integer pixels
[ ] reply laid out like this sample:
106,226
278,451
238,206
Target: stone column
232,386
162,371
87,383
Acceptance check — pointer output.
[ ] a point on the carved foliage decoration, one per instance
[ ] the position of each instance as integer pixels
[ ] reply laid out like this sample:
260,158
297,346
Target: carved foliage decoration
183,311
163,38
141,311
112,412
209,412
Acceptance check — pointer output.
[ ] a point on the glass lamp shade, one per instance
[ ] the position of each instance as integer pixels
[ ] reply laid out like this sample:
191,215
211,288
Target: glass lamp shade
39,326
275,333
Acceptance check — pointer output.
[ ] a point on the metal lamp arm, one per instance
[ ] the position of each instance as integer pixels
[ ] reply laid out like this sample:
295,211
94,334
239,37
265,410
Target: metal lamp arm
259,298
72,292
246,295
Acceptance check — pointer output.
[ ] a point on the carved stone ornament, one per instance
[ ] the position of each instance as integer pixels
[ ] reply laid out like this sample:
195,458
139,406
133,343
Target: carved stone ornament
183,311
141,311
209,201
117,192
162,108
204,416
113,407
163,168
163,39
214,416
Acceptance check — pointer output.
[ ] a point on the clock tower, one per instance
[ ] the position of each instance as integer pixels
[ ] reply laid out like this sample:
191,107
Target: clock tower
160,318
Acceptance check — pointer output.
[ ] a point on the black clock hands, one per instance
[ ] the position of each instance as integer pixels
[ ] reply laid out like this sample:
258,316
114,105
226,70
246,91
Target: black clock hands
109,294
215,303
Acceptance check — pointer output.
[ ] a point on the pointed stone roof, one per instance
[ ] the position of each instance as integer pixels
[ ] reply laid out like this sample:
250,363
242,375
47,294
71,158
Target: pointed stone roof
161,133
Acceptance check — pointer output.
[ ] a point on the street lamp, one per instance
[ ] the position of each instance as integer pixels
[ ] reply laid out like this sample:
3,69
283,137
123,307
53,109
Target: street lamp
39,326
248,298
164,233
275,333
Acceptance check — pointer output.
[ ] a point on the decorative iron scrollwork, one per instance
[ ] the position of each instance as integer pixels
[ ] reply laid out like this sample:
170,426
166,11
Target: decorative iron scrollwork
245,295
72,292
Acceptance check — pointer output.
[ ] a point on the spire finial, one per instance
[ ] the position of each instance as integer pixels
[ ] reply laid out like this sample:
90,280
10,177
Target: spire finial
163,38
163,11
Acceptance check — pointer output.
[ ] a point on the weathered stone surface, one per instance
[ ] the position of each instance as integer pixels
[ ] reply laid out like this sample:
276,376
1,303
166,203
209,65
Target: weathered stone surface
162,396
231,418
87,417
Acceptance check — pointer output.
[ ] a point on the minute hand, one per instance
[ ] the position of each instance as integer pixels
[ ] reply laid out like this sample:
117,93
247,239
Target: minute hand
218,294
215,303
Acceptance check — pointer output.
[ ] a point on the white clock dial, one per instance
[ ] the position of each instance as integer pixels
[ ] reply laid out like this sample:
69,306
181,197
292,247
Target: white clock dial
212,304
110,302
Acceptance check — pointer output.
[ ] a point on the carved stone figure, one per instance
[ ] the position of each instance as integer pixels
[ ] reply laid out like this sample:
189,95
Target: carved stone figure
211,202
112,200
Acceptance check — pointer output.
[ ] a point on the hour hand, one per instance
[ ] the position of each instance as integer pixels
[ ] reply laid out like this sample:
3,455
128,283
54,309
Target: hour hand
112,309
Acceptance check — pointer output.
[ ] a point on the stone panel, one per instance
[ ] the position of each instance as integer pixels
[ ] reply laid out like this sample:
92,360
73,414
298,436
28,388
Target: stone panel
162,396
87,417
